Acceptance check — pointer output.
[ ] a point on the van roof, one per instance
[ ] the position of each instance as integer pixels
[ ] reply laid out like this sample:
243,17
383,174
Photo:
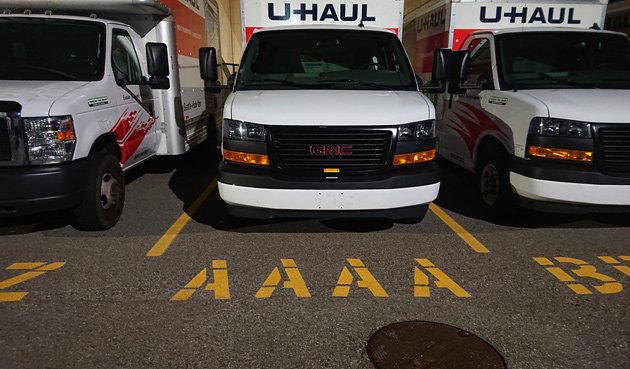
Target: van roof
541,29
323,27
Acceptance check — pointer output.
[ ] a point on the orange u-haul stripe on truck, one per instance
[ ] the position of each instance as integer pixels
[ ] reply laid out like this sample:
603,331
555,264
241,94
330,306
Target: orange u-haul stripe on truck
190,28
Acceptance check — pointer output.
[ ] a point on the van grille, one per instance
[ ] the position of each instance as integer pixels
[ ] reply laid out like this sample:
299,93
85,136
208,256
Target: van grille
309,150
5,142
614,149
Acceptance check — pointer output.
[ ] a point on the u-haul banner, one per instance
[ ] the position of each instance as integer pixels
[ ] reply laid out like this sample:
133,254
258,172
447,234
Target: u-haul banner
190,25
257,14
469,17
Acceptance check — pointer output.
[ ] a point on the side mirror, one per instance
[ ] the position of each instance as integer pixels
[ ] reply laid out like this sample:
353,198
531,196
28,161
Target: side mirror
439,74
208,67
458,71
158,67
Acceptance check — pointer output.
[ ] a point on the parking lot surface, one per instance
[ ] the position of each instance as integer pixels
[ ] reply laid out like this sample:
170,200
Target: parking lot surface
179,284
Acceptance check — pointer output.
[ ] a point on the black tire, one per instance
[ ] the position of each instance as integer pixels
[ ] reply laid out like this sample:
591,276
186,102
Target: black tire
493,181
104,196
422,211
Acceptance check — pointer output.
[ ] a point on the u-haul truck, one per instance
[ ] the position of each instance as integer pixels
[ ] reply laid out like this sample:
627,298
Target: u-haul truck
89,89
326,118
539,110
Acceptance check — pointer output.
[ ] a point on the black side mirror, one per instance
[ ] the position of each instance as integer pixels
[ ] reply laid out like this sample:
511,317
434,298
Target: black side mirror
458,71
208,67
158,67
439,74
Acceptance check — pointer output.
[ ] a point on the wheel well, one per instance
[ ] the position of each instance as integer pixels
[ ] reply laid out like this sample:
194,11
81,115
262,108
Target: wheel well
488,144
107,142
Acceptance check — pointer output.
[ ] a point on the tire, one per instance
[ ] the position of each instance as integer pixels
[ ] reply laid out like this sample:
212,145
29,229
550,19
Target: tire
104,196
493,181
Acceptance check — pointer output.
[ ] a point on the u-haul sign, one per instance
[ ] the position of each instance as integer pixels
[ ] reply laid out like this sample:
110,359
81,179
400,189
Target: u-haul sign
467,17
257,14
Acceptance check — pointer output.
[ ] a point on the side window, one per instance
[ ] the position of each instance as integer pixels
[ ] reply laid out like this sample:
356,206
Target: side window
480,63
124,56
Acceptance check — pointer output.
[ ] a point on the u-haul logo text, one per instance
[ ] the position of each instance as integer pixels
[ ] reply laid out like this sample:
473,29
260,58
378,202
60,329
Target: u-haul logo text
320,12
524,14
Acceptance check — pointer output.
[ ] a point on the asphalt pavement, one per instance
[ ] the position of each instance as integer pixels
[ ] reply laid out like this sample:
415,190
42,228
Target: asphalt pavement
179,284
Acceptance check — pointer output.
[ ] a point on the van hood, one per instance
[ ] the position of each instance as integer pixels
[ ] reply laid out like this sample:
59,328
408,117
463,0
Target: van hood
36,97
592,105
330,107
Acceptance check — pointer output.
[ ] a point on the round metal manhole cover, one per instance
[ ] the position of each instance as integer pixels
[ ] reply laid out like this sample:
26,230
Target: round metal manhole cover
428,345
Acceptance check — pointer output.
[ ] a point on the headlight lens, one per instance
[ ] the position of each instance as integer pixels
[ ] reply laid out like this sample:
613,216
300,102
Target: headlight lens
416,131
559,127
238,130
49,139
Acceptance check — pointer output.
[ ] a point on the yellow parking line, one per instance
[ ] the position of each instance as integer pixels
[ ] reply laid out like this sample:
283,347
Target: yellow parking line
171,234
459,230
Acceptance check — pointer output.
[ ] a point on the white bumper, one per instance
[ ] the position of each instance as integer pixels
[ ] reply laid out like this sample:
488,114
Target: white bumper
285,199
566,192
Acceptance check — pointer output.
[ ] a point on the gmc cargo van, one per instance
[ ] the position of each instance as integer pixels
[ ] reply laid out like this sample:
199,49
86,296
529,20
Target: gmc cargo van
326,118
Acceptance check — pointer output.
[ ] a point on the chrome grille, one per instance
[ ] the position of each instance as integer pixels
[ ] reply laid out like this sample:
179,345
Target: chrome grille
614,148
311,149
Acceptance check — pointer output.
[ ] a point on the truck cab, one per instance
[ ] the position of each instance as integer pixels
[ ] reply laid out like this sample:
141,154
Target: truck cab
542,117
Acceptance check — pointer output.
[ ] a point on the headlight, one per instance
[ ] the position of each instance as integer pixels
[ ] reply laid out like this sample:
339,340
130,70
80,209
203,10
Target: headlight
559,127
238,130
416,131
49,140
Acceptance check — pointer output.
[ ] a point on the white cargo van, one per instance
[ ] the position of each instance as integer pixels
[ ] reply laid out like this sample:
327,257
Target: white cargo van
541,110
89,89
326,118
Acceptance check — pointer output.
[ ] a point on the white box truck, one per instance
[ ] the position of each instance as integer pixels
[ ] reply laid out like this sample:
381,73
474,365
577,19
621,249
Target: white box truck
540,108
326,118
90,89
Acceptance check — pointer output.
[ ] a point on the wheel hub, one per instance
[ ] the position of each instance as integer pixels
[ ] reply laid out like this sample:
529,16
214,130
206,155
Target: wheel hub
490,184
110,191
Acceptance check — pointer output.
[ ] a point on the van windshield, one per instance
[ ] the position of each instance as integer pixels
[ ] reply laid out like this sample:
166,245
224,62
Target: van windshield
51,50
325,59
545,60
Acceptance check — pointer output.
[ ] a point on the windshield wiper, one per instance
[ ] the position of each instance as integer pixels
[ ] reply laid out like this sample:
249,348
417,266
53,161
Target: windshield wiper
271,81
349,81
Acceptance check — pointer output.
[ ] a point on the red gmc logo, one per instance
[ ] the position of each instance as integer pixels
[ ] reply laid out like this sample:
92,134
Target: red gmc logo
330,150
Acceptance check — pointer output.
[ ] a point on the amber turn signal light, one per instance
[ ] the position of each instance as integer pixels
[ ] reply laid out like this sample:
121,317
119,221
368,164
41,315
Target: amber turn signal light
561,154
246,158
414,157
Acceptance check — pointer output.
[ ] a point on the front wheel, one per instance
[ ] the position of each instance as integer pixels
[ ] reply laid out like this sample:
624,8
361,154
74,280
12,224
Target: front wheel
104,196
493,182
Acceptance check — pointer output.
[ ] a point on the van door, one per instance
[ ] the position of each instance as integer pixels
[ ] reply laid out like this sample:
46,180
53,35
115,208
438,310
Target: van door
464,120
136,128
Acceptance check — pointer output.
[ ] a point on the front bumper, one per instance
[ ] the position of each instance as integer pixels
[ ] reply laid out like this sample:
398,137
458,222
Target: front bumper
37,189
568,187
255,193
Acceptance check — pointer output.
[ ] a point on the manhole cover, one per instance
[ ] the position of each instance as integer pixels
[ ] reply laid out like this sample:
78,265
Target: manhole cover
427,345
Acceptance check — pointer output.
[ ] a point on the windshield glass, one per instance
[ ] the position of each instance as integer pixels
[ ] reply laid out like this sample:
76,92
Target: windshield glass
325,59
539,60
51,50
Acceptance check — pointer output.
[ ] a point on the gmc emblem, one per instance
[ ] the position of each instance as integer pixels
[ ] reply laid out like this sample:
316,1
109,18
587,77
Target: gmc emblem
330,150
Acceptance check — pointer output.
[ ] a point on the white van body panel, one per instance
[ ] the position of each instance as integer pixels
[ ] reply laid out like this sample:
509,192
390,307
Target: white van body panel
329,107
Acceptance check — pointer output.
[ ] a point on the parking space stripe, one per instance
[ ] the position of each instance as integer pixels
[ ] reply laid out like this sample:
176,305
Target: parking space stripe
459,230
171,234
